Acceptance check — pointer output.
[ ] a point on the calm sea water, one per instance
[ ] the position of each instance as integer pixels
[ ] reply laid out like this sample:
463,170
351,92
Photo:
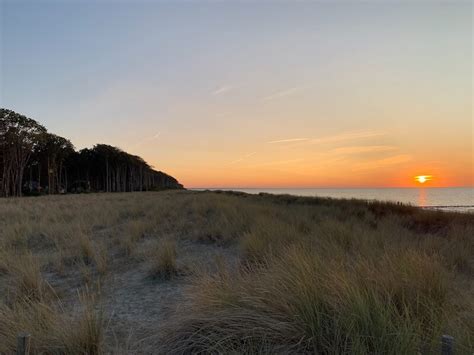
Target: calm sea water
453,198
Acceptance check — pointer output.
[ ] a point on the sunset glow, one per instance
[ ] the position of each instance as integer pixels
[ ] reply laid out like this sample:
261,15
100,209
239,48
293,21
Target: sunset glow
276,94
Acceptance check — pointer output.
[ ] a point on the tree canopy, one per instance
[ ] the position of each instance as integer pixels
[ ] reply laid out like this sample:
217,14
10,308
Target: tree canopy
35,161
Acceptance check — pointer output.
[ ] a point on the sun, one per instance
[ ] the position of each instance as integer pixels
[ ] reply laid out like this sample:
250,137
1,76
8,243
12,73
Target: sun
423,178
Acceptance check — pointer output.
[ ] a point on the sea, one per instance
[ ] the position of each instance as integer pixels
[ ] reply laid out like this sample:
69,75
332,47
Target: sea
460,199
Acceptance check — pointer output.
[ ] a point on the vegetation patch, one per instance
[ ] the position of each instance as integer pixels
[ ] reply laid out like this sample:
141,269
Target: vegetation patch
282,274
163,261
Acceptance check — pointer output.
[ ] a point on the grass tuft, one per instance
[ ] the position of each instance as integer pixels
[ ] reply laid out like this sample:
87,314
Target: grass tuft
53,331
27,280
163,260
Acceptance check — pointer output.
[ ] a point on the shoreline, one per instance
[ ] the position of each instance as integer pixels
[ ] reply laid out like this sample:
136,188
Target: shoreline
418,197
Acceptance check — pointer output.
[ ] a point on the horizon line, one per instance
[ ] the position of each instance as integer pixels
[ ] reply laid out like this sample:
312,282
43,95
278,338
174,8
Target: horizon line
326,187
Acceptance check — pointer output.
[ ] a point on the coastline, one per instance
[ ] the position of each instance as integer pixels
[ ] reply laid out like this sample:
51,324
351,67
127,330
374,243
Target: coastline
462,201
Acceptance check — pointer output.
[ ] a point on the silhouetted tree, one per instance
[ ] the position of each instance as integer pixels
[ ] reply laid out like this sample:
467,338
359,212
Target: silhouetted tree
19,137
48,162
49,158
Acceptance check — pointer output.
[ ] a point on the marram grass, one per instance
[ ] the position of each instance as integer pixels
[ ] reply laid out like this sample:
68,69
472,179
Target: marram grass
299,275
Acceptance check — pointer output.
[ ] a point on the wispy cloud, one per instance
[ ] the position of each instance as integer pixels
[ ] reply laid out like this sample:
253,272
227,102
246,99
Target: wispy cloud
289,140
347,136
243,158
363,149
147,140
279,162
222,90
280,94
382,163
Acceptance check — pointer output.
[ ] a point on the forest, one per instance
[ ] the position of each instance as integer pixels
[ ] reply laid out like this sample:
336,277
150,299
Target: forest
34,161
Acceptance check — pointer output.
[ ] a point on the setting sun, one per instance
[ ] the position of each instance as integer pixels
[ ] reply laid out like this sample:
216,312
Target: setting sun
423,178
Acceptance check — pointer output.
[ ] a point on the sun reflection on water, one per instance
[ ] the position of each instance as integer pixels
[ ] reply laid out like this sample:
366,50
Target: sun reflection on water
422,197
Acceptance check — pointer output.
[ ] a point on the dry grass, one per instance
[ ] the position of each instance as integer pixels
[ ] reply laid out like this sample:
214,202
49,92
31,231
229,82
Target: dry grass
27,281
163,260
88,336
313,275
52,329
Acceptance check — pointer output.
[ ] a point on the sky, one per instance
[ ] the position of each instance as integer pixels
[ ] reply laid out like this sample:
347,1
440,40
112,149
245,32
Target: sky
252,93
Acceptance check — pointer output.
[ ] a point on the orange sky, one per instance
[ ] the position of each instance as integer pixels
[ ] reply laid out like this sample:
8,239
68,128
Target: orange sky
253,94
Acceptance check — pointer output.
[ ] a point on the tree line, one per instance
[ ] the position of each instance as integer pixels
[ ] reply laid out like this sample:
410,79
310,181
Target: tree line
34,161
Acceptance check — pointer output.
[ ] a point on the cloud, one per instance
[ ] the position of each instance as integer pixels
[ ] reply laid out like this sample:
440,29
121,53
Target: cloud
289,140
243,158
382,163
347,136
280,94
363,149
147,140
279,162
222,90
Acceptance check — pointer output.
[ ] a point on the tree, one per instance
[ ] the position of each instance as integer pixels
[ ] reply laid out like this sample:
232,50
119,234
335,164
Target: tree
45,160
19,137
50,156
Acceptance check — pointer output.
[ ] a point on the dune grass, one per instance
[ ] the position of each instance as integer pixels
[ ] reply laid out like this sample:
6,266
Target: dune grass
314,275
53,330
163,260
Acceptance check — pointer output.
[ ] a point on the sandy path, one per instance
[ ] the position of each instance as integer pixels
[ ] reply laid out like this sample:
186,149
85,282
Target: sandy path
136,306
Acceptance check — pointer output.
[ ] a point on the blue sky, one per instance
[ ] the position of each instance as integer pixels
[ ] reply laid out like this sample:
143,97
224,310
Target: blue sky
192,86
